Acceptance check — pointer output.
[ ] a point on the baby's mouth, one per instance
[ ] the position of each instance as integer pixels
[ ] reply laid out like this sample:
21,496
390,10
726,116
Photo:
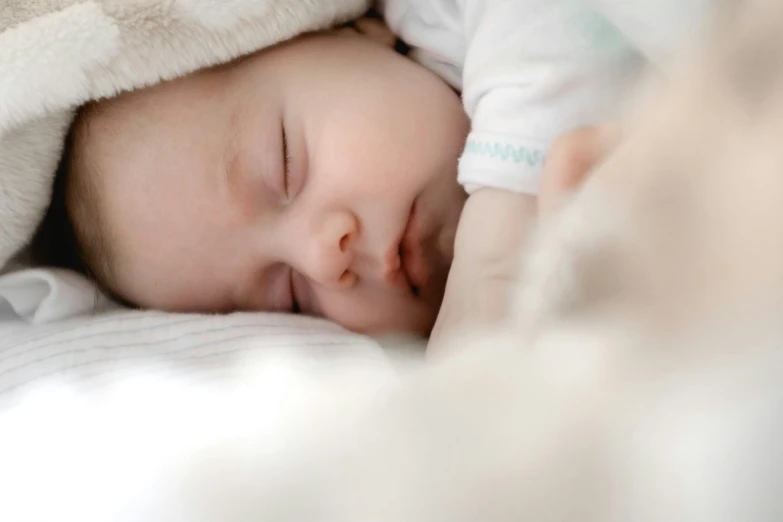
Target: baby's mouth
407,268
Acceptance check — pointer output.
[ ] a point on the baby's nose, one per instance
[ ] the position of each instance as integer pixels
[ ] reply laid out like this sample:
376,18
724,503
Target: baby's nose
331,255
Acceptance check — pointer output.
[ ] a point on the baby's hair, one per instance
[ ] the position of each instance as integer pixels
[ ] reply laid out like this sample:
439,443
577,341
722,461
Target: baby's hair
69,235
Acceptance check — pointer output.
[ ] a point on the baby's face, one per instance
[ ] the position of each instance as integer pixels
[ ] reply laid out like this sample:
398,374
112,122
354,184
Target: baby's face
318,176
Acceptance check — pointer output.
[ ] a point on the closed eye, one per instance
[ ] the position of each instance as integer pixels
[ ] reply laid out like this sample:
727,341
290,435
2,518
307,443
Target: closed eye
295,308
287,161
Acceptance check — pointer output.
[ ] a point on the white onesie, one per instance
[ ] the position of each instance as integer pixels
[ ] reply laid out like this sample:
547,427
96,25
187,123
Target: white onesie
531,70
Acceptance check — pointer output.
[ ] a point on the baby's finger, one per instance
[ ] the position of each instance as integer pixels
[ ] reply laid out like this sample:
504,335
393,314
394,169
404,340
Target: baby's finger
571,159
376,30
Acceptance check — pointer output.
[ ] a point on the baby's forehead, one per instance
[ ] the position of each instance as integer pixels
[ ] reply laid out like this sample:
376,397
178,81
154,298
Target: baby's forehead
137,112
111,127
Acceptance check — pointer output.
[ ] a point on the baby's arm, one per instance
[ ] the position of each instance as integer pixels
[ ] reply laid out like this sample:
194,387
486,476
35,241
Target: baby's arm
485,261
559,67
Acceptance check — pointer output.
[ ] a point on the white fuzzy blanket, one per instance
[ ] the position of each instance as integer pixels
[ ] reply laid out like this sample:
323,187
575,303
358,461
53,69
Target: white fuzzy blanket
57,54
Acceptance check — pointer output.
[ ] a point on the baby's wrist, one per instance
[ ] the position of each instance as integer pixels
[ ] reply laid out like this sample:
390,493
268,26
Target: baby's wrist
493,230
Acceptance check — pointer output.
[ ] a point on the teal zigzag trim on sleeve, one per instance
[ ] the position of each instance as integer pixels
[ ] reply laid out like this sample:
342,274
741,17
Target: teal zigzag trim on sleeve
505,152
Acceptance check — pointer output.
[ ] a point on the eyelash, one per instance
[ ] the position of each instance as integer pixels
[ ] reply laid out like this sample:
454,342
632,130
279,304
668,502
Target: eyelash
295,309
287,159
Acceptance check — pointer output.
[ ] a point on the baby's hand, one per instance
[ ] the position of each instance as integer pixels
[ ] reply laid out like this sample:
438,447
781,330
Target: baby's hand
494,227
491,234
571,158
373,28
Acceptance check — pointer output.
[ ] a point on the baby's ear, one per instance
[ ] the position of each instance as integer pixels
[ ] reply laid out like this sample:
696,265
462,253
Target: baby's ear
373,28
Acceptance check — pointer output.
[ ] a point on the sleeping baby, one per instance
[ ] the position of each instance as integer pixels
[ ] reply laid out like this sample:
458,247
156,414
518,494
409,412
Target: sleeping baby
336,176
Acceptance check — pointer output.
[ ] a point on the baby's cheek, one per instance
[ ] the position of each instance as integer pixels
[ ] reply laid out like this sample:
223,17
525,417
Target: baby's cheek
376,311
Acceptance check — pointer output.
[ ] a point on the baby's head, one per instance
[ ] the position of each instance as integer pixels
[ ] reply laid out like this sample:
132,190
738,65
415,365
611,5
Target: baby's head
318,176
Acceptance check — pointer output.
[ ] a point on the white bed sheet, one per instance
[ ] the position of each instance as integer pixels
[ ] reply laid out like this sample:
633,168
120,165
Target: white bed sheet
107,413
54,324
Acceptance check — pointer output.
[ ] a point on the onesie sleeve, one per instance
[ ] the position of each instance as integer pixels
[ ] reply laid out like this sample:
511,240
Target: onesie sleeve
535,69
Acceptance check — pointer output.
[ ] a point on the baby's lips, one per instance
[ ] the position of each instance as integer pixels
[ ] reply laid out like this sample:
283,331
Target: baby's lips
397,278
394,273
